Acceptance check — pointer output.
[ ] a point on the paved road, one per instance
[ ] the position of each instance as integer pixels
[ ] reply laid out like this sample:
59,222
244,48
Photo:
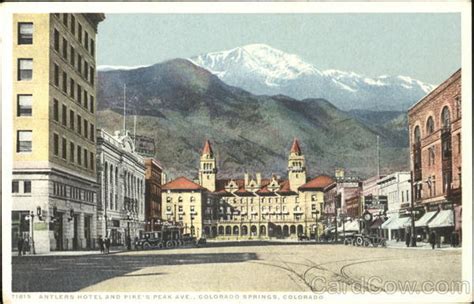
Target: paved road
240,268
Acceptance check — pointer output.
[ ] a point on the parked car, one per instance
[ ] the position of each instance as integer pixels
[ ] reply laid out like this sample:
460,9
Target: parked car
303,237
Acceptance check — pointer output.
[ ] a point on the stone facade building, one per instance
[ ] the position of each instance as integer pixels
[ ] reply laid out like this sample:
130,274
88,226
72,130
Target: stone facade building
121,174
54,174
435,156
252,207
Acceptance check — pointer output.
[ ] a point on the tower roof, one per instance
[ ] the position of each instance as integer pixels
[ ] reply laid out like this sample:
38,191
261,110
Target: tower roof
295,147
207,150
318,183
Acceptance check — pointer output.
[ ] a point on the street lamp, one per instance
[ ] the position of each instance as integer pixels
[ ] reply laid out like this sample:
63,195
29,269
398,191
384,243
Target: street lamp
31,217
129,239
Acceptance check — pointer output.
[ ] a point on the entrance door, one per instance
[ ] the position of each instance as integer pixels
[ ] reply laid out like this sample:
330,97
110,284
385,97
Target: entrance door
20,227
58,231
87,231
75,239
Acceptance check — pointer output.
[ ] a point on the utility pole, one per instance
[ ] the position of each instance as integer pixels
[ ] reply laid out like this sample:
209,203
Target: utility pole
413,236
378,157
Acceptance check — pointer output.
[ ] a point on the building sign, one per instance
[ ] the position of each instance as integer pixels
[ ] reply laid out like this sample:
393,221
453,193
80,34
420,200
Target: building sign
376,202
144,145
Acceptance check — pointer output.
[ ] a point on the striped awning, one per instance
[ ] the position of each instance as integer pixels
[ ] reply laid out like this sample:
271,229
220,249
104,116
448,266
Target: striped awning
445,218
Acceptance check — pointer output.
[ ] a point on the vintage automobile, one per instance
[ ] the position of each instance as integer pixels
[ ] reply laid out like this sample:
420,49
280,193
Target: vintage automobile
167,237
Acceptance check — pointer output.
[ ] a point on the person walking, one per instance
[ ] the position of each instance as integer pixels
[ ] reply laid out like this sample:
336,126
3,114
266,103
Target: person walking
20,244
407,239
432,239
25,246
101,244
107,244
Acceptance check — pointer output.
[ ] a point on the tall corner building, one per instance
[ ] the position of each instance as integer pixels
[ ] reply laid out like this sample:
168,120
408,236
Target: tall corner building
54,140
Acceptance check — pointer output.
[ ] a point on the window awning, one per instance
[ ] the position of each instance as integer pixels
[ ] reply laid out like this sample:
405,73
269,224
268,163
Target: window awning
445,218
377,223
425,219
390,220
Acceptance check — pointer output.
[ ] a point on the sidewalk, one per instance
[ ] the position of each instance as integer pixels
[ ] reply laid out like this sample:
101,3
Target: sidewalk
419,246
69,253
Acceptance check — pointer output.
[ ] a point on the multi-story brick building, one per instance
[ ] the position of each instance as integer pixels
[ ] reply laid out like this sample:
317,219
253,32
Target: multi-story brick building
153,182
54,173
435,155
121,174
252,207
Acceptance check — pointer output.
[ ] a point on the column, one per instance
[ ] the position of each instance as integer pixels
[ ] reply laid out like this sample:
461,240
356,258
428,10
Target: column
81,241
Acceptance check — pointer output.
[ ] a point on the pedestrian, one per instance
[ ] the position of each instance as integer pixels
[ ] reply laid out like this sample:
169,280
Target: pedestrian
432,239
107,244
25,245
20,244
101,244
453,239
407,239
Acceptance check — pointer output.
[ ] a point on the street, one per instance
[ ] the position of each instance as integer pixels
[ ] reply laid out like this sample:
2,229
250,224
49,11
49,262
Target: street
297,267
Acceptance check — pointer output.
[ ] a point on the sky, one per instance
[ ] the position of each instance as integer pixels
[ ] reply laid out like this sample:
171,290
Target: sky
426,47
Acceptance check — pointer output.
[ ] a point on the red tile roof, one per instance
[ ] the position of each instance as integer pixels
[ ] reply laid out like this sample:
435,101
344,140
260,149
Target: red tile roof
181,183
295,147
207,150
319,182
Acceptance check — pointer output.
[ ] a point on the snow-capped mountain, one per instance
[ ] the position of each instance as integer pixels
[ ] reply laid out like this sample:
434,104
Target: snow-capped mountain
261,69
106,68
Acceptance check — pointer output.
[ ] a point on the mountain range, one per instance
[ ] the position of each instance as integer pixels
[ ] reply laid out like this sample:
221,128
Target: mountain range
180,104
261,69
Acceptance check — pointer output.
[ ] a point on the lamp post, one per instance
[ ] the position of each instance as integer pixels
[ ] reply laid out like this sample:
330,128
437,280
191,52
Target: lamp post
31,218
412,214
129,239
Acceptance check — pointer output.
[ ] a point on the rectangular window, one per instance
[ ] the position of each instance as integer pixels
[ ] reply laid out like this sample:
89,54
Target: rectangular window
92,161
64,148
92,75
56,40
79,63
92,104
459,143
79,94
65,82
71,119
79,124
55,110
86,155
86,103
72,88
25,33
92,47
64,115
65,47
92,133
86,70
86,40
86,128
73,24
26,186
71,152
56,144
72,58
79,33
15,186
65,19
79,155
24,105
56,75
25,69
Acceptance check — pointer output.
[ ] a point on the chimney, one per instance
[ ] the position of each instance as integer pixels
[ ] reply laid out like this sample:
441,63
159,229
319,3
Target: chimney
246,180
258,176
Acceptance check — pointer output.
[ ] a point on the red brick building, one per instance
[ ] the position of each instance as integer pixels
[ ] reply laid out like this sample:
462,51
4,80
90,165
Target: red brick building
153,182
435,156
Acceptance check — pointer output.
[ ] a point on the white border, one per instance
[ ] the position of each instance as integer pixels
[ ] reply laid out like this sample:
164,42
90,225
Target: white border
7,9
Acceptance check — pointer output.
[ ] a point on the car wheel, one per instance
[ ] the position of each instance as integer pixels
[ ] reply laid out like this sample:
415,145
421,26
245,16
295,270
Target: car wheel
146,246
359,241
170,244
160,245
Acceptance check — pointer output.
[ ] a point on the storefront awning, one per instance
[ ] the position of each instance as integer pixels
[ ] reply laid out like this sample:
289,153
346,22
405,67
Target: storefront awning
425,219
445,218
390,220
377,223
400,222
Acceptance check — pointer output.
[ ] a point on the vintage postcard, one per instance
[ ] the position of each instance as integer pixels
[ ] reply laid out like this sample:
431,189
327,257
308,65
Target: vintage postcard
236,152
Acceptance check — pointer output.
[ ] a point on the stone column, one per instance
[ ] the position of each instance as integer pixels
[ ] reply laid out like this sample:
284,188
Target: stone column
81,242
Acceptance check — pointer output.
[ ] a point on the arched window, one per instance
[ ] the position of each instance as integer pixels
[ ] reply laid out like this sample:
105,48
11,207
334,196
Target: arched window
417,135
430,125
446,117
